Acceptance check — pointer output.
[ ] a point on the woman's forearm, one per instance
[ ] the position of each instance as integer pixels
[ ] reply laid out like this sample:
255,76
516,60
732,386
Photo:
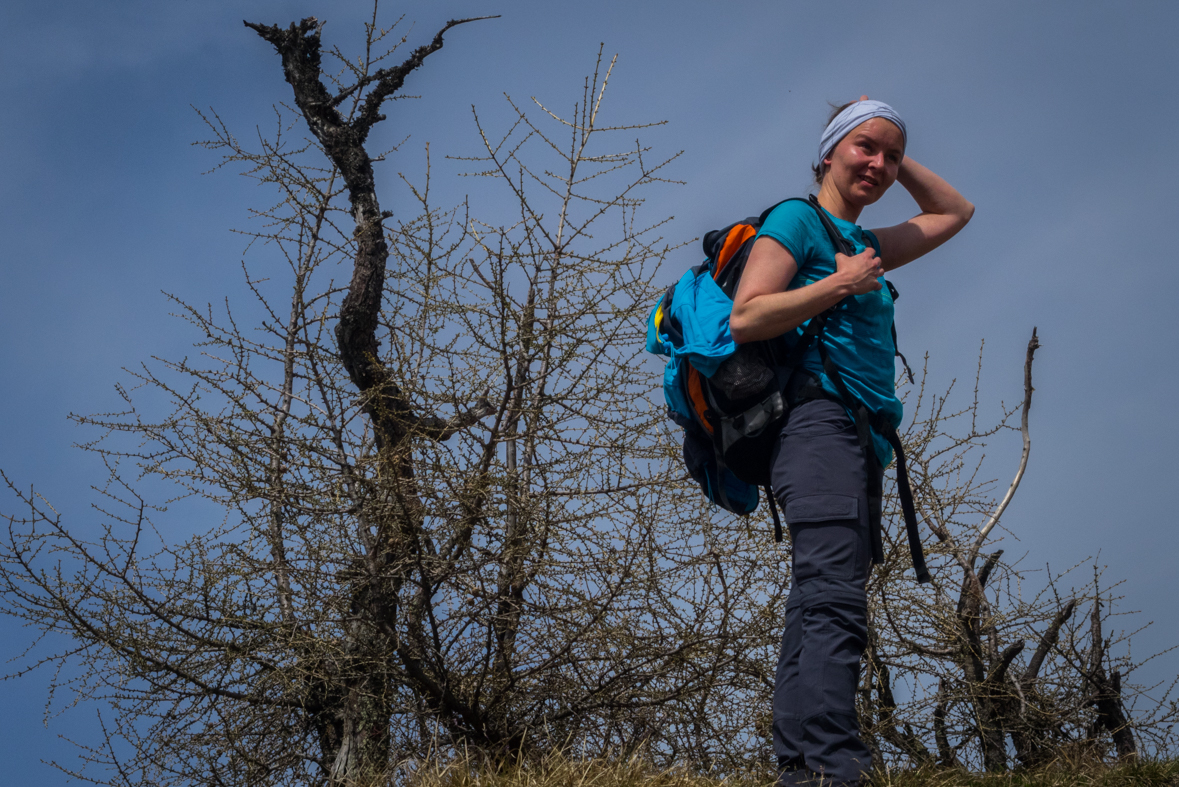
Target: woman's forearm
932,193
943,213
773,314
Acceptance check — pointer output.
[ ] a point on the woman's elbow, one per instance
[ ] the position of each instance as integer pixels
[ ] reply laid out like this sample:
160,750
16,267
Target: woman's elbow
740,326
956,217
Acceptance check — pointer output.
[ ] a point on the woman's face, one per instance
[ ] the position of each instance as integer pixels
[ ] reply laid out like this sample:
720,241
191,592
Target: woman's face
865,162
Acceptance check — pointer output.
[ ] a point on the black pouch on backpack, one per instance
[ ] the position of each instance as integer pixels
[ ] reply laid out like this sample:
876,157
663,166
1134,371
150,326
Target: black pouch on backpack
745,394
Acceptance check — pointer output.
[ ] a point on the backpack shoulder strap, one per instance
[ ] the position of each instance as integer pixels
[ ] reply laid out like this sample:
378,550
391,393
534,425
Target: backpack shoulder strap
765,214
842,244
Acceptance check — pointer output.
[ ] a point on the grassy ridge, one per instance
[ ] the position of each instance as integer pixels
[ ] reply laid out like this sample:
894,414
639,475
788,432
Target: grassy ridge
561,772
1146,774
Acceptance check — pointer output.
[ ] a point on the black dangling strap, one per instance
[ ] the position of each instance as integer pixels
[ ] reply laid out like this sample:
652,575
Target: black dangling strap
905,493
863,418
774,510
859,412
896,351
896,347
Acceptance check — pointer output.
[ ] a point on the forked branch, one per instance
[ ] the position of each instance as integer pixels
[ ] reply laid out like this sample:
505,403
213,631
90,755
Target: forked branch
343,141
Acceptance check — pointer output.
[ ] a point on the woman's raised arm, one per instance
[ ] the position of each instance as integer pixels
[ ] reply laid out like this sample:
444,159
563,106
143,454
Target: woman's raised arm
943,212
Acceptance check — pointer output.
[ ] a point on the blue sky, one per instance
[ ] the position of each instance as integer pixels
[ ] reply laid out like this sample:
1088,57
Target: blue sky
1057,119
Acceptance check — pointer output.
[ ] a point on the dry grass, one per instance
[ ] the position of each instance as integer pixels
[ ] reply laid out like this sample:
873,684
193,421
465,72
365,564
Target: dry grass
559,771
1146,774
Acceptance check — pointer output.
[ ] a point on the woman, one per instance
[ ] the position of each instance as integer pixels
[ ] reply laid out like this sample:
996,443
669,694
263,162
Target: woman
821,476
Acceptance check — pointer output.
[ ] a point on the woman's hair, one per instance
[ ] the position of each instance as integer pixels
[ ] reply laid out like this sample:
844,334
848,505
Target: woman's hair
818,168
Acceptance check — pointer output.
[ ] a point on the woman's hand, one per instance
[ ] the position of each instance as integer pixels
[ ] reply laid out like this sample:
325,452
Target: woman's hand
859,274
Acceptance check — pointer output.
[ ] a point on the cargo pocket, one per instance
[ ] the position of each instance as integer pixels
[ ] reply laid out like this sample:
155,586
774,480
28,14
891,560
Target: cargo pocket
826,538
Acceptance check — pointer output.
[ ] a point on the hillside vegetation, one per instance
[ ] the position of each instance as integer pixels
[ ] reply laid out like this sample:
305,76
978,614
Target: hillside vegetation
559,771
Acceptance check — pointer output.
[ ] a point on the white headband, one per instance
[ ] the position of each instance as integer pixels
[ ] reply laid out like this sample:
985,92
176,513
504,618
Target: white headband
853,116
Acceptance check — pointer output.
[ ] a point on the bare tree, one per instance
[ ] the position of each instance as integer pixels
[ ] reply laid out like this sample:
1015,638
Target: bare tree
451,514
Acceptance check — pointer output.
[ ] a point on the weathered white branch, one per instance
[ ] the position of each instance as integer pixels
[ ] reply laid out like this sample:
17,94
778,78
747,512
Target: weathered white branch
1033,345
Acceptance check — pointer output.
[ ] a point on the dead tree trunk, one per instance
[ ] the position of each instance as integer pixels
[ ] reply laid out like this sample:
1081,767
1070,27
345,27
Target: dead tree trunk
984,673
946,757
351,711
1106,693
1030,724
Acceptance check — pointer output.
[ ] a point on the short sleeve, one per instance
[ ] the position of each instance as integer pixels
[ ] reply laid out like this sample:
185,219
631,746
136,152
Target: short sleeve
871,238
791,225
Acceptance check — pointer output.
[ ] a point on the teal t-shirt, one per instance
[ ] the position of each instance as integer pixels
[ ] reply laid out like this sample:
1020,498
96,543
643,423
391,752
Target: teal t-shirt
858,335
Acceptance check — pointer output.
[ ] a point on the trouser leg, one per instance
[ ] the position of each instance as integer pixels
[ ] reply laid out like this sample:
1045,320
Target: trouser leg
834,636
821,480
815,724
788,698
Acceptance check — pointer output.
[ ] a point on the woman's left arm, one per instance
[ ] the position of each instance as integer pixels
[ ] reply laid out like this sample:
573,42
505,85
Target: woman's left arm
943,212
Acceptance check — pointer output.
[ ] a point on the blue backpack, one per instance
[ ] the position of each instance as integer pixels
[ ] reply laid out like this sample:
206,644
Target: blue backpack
727,397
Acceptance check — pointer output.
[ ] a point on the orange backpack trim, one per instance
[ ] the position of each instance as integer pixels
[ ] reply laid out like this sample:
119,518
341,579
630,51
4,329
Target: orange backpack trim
697,398
734,241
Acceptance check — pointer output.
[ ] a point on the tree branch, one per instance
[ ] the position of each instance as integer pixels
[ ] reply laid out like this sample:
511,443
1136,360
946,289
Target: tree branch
1047,640
442,429
1009,654
1033,345
390,80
